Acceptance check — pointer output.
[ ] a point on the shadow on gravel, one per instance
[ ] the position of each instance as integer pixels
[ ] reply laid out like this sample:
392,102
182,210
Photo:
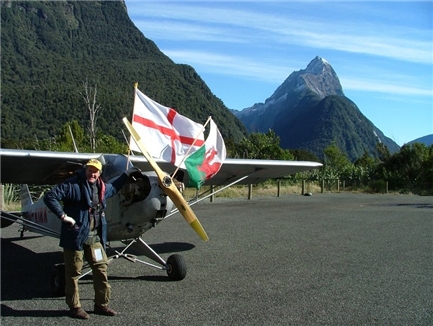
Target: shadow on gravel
418,205
169,247
24,273
149,278
7,311
160,248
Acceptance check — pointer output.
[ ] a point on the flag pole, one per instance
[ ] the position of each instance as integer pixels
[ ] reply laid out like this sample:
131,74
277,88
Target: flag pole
192,145
133,106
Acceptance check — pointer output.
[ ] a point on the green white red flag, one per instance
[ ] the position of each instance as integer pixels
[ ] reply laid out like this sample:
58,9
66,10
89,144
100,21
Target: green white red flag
206,161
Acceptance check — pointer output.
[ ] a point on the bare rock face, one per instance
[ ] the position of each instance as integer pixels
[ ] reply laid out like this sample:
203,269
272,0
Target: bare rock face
310,111
318,78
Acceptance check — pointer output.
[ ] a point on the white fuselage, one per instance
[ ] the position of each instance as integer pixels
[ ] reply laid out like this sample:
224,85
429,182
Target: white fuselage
129,213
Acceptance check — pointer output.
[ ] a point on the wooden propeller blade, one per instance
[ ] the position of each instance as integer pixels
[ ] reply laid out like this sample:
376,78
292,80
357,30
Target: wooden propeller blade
166,182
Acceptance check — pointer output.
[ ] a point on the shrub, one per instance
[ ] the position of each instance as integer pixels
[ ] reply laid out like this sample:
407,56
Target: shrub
378,186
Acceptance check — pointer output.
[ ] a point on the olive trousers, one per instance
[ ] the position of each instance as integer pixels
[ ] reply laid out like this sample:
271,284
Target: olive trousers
97,258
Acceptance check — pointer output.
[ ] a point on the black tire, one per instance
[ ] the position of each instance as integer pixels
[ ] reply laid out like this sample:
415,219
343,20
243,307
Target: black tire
58,280
176,267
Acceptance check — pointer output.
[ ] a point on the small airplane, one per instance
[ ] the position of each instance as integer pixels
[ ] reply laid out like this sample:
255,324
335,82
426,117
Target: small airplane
148,197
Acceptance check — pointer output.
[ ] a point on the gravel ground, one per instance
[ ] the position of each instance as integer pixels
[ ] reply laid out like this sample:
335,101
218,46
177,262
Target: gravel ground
328,259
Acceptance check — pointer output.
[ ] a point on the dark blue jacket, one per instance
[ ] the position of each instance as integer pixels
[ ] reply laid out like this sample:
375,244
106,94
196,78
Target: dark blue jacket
75,193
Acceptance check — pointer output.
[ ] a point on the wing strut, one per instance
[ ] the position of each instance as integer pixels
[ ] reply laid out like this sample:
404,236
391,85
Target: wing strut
193,202
29,224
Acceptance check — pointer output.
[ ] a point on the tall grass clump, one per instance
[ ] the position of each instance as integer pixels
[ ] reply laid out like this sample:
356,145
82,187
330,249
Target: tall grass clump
11,196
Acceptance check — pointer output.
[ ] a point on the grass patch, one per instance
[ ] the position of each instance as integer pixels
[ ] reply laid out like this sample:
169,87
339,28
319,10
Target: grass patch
267,189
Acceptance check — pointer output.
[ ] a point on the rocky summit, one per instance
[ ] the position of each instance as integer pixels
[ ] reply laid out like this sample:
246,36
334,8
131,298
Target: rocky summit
310,111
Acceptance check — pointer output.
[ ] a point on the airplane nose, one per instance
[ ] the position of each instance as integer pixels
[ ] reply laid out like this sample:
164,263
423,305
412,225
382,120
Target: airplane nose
136,190
145,190
157,204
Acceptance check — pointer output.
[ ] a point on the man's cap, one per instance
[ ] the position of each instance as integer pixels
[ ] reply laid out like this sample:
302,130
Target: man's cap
95,163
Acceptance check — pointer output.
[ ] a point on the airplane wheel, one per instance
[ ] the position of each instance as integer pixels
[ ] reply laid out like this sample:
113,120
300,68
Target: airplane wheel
177,267
58,280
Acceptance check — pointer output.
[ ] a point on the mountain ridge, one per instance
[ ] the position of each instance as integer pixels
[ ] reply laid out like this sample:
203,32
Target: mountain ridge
310,111
426,140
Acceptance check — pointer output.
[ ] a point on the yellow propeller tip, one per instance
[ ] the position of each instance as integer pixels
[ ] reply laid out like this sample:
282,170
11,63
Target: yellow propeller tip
199,229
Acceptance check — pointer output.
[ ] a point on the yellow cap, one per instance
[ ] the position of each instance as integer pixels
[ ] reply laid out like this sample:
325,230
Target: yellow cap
95,163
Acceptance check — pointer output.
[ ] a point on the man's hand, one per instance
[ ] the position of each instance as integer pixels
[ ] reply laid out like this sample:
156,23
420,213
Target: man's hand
67,219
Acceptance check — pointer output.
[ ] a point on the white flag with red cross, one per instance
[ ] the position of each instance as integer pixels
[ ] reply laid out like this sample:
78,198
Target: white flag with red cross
167,134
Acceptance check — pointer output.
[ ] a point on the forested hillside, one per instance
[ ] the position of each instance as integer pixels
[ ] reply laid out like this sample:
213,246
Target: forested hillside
51,48
334,119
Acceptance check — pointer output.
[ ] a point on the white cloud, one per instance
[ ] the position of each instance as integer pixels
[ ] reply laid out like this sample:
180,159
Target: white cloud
230,65
184,31
206,23
382,86
255,42
273,73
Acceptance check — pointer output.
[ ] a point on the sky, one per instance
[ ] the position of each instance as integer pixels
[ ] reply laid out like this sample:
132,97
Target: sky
243,50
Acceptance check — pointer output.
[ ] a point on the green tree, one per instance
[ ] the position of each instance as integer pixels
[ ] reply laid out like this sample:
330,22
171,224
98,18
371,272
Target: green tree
409,169
426,175
383,152
336,159
363,169
71,138
108,144
263,146
304,155
336,165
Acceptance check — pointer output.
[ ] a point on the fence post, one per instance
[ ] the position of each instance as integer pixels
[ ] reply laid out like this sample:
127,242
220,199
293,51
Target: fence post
279,188
303,187
2,197
386,190
212,198
322,187
250,191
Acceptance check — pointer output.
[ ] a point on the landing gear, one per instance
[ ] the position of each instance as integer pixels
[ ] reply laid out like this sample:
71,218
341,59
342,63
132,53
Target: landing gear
58,280
176,267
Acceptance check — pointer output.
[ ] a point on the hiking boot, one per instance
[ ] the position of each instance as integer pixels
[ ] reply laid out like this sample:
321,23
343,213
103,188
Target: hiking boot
104,310
78,313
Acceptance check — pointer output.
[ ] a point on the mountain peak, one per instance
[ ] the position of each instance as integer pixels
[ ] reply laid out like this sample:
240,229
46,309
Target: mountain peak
318,77
317,65
309,111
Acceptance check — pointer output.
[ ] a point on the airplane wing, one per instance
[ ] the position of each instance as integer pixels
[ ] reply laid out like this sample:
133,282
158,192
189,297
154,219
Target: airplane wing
46,167
255,171
258,171
40,167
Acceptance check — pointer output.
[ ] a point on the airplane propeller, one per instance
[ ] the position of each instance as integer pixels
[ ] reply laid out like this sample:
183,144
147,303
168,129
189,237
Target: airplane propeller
166,182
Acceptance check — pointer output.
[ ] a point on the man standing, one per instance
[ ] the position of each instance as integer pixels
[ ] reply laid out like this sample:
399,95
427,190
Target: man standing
84,232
